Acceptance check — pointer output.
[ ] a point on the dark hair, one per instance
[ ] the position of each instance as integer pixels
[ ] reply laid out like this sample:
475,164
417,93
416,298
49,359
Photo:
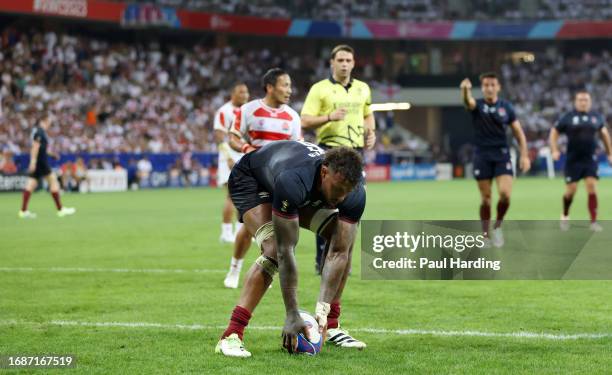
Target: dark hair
238,83
347,162
488,75
581,91
271,77
342,47
44,115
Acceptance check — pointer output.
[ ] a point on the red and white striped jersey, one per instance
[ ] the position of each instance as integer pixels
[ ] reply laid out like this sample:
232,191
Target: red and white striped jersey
224,120
225,117
259,124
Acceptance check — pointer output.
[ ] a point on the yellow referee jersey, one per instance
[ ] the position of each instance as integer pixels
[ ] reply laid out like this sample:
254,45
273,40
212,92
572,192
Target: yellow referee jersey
328,95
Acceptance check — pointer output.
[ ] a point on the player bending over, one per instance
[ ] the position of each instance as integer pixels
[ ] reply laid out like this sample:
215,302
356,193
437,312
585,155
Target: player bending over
278,189
39,168
581,125
490,117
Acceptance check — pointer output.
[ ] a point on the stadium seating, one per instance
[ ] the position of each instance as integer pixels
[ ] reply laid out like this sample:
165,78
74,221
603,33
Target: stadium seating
416,10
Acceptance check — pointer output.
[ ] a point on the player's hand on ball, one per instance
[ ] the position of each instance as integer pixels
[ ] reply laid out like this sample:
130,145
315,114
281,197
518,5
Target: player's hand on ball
294,325
466,84
556,155
338,114
525,164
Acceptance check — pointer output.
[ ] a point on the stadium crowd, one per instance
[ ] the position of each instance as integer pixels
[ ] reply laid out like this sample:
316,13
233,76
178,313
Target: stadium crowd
112,97
109,97
414,10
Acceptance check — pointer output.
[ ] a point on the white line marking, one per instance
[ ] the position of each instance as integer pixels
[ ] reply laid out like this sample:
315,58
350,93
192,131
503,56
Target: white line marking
402,332
111,270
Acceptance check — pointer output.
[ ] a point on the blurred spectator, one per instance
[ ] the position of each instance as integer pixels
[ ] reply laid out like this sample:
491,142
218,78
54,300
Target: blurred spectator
144,168
7,164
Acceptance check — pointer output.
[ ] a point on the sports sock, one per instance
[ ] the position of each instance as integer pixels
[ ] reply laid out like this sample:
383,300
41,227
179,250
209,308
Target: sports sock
236,265
237,226
485,217
502,208
567,202
593,207
25,200
226,229
238,322
333,320
56,199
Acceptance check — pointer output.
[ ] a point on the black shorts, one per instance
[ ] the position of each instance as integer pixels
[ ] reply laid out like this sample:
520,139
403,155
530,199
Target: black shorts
245,191
577,170
42,170
490,164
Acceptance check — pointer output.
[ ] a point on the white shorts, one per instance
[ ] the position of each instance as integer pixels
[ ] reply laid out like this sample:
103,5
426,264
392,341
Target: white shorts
223,170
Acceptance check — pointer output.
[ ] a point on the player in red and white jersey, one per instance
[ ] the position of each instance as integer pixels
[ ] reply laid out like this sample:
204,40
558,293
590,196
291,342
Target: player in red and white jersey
266,120
224,119
257,123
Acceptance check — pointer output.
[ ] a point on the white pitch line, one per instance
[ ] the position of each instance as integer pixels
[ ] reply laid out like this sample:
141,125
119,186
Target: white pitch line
110,270
401,332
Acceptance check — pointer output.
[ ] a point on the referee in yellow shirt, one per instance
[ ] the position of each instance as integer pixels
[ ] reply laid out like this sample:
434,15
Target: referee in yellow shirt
338,109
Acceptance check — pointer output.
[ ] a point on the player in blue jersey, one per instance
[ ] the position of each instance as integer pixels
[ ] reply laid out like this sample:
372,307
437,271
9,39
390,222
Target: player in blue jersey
39,168
491,116
582,126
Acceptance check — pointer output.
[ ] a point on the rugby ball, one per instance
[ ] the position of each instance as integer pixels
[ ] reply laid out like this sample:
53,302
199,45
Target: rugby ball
313,346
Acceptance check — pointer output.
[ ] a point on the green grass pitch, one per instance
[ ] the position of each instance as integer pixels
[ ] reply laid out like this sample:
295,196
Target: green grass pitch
57,294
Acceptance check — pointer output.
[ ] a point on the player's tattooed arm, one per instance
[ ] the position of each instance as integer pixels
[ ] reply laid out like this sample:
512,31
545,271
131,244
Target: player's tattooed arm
519,134
466,94
286,232
553,140
337,259
605,137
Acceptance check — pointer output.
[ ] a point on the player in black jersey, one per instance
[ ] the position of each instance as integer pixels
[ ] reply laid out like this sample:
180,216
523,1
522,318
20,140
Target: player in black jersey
39,168
491,116
582,126
277,189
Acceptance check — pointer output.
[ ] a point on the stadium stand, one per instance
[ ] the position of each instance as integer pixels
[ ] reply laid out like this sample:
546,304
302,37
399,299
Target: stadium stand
415,10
